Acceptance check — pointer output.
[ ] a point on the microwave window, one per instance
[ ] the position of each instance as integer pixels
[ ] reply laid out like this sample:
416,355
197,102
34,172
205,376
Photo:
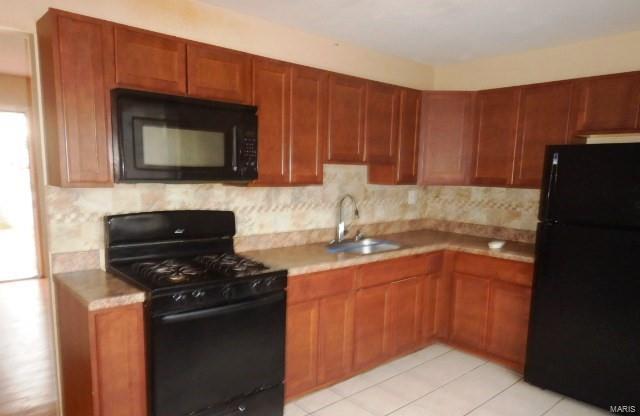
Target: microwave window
176,147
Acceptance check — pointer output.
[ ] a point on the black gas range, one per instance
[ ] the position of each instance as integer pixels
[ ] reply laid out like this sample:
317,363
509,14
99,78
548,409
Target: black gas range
216,320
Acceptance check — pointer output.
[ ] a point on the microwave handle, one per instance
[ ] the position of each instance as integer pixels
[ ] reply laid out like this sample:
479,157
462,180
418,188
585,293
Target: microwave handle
234,149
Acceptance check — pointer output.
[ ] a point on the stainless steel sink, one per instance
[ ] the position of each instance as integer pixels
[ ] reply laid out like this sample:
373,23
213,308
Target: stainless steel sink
364,246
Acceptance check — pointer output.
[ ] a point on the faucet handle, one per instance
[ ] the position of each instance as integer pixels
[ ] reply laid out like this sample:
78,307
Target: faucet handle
359,236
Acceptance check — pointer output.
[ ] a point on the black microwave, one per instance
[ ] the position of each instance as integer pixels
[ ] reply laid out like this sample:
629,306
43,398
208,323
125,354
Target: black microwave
165,138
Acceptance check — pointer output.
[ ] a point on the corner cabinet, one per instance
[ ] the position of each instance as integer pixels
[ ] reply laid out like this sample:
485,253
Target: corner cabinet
495,138
446,137
76,55
102,358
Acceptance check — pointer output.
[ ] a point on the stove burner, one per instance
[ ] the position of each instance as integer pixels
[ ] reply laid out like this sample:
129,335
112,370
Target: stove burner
172,271
230,263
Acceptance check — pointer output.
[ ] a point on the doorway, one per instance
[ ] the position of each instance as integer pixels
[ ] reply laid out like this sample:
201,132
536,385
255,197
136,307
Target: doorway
17,231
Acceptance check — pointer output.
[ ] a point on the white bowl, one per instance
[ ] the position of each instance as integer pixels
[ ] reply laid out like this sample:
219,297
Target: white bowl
496,244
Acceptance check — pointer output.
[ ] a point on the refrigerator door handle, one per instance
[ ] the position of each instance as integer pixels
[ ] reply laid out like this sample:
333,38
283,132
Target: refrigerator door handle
553,178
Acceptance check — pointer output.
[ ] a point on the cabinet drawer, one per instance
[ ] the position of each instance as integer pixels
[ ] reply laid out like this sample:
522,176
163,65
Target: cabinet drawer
397,269
510,271
321,284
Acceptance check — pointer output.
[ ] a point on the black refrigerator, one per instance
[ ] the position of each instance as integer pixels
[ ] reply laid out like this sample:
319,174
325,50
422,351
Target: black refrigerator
584,332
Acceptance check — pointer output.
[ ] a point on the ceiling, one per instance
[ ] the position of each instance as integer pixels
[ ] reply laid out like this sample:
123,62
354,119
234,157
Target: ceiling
447,31
14,53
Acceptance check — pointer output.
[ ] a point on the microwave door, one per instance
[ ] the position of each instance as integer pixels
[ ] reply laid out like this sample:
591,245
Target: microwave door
174,150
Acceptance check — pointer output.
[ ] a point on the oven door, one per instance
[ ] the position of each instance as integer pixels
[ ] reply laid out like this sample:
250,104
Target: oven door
211,361
165,138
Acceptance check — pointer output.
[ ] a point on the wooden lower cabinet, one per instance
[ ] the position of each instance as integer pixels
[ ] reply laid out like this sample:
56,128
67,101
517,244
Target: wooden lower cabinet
102,358
335,337
370,346
469,309
490,308
301,347
508,321
346,321
404,307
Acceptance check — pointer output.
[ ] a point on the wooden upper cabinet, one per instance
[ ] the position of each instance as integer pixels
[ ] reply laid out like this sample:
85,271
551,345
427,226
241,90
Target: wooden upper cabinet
76,54
406,163
544,120
607,104
495,138
347,96
381,122
150,61
271,94
218,74
403,169
446,137
308,123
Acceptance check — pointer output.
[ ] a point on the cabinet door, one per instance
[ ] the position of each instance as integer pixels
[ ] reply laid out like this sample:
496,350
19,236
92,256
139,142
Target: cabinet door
370,335
346,119
404,309
218,74
76,53
150,61
120,371
435,307
470,305
271,93
446,138
544,120
496,125
335,338
406,162
609,103
381,122
301,347
509,307
308,124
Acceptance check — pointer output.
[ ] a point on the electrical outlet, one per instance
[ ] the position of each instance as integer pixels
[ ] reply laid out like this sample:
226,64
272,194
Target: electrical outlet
412,197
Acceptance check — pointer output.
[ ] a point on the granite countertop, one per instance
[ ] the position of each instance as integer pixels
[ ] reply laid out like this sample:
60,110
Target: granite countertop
98,289
315,257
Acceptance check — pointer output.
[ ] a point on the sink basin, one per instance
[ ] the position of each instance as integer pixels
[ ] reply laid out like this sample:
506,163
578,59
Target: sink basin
364,246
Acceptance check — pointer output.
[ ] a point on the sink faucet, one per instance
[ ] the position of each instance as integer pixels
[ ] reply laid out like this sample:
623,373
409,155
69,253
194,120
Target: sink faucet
341,229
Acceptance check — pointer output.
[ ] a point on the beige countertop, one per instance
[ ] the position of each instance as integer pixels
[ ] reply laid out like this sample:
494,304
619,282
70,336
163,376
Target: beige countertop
315,257
100,290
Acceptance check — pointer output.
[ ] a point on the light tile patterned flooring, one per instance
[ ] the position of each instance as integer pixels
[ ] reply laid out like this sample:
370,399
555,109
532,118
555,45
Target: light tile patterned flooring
438,381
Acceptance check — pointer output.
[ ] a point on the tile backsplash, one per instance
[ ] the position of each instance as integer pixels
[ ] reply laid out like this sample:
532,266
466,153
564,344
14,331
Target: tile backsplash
75,215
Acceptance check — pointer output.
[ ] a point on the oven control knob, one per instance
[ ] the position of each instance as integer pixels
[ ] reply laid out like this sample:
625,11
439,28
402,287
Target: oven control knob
179,297
198,293
256,284
271,281
226,292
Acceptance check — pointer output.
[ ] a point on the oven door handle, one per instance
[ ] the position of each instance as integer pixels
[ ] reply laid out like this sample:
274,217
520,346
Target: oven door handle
223,310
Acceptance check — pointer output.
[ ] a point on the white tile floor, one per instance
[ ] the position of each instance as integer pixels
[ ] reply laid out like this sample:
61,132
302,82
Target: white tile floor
438,381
